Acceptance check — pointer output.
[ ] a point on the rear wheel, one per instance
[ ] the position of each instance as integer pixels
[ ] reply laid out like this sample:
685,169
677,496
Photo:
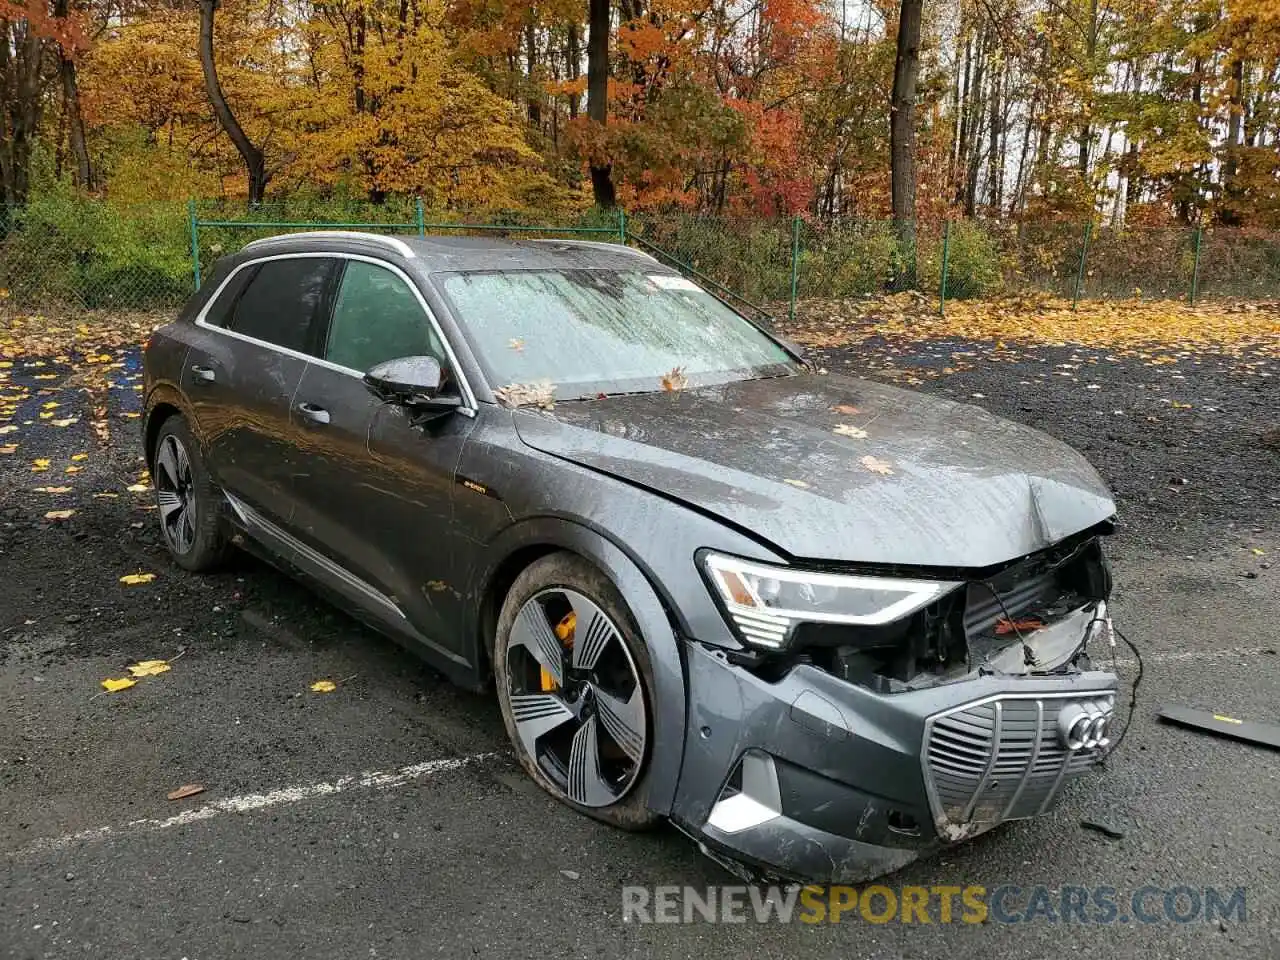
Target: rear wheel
574,684
188,503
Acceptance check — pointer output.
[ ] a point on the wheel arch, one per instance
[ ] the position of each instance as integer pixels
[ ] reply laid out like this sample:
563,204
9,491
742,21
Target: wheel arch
522,544
164,402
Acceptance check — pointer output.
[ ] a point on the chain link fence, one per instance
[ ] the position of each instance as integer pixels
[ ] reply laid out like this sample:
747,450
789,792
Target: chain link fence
67,256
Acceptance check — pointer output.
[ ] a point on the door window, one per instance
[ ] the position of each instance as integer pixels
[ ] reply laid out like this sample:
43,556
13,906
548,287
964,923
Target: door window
280,304
377,317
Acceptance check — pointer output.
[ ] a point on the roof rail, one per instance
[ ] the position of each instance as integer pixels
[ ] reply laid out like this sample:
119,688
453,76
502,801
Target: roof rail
394,243
600,245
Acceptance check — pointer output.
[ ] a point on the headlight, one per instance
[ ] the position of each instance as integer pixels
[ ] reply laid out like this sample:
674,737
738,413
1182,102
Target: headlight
765,602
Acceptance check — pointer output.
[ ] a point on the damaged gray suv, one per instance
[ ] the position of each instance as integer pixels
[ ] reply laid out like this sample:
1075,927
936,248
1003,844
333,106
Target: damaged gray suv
821,624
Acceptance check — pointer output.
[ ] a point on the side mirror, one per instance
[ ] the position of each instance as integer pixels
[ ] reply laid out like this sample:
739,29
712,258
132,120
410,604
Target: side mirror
409,381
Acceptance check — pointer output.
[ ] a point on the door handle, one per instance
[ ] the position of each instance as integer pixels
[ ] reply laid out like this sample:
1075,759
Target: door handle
204,374
313,413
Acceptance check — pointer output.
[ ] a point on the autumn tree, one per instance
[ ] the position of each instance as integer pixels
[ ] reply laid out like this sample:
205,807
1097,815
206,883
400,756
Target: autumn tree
254,160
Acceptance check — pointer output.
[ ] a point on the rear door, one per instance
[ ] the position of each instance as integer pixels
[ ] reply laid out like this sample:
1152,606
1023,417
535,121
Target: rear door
246,360
373,487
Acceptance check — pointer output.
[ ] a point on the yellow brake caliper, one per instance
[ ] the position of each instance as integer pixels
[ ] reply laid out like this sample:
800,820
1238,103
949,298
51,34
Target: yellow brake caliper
564,631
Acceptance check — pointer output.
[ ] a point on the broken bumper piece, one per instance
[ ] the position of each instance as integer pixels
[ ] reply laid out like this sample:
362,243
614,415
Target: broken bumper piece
816,779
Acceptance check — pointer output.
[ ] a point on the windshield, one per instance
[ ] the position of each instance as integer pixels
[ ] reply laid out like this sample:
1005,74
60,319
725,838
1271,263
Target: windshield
587,332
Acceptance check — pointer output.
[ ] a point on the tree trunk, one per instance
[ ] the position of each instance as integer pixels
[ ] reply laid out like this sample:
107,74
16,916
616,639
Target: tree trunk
1230,212
534,101
254,162
72,114
598,96
21,76
572,56
902,114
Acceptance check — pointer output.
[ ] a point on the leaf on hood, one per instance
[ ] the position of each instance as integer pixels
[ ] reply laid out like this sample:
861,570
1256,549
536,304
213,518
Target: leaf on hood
123,683
882,467
149,668
133,579
849,430
675,379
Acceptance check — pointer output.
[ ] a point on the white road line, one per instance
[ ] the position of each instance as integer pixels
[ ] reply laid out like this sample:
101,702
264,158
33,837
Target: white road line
372,780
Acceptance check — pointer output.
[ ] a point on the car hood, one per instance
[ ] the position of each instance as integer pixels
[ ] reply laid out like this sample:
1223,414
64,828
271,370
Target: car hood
826,467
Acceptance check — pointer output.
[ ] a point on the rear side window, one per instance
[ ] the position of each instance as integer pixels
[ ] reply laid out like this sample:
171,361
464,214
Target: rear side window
282,301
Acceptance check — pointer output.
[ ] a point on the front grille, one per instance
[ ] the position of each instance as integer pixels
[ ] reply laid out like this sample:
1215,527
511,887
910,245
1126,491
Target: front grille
999,759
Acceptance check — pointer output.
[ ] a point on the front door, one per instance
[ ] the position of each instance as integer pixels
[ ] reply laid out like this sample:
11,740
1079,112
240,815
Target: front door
373,488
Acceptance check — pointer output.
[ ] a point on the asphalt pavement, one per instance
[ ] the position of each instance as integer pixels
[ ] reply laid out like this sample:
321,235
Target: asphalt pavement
388,818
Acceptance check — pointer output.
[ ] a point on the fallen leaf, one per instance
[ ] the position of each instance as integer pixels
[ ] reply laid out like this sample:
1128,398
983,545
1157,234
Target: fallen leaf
9,429
796,483
39,464
72,469
882,467
138,488
9,448
59,514
123,683
324,686
77,457
106,496
849,430
1258,551
133,579
149,668
53,489
189,790
847,409
65,422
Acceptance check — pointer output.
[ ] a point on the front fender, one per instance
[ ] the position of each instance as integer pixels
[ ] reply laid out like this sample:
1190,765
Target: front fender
669,708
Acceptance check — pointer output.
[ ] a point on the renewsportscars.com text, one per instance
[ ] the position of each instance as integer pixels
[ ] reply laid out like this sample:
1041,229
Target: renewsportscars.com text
880,904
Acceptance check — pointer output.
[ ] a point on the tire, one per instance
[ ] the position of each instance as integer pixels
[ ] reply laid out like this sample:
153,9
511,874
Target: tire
583,734
190,507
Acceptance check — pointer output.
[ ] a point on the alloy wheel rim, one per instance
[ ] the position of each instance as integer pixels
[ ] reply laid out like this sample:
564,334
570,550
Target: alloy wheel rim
175,494
576,697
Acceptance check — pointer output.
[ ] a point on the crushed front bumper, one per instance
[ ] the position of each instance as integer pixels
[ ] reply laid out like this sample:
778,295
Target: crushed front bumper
816,779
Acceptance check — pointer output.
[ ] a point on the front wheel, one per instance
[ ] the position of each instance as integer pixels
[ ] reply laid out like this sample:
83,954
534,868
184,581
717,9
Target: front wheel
574,683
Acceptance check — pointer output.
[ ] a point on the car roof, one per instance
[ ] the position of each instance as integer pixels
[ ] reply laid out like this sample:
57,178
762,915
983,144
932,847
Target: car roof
445,253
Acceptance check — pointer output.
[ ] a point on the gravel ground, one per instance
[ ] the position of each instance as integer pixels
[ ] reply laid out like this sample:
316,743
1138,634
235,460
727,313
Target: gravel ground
291,851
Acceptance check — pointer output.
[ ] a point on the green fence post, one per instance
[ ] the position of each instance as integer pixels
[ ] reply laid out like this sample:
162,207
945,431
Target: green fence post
795,265
946,260
195,240
1084,253
422,220
622,225
1195,267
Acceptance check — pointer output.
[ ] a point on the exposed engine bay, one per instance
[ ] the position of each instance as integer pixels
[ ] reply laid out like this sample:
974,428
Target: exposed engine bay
1033,616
